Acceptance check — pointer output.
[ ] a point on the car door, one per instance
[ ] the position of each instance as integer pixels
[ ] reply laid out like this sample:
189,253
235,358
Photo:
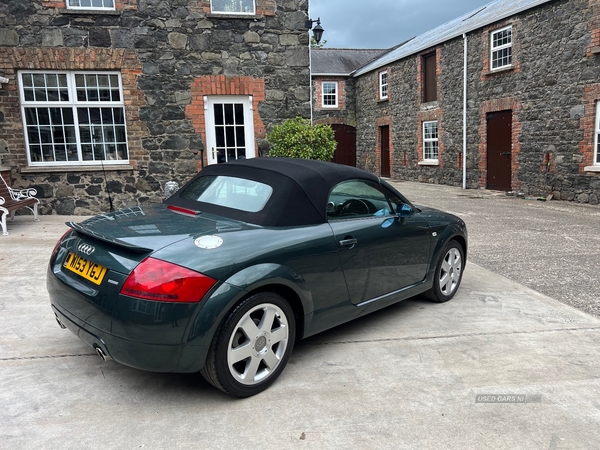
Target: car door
380,252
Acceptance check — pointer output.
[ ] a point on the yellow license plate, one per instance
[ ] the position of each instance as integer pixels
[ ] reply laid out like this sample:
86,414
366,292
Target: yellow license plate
87,269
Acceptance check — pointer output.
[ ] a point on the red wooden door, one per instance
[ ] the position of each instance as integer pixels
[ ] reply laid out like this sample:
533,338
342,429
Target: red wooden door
384,133
345,153
499,150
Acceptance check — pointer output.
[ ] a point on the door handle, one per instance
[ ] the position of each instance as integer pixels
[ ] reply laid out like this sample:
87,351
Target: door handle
506,153
349,242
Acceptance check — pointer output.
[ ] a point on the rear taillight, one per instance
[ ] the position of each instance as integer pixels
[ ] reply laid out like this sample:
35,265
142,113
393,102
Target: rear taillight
161,281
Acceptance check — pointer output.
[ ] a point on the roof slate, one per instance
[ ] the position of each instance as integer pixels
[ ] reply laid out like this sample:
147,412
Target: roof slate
341,61
471,21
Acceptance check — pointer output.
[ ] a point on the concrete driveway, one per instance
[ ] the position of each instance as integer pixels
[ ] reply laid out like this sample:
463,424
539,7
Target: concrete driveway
500,366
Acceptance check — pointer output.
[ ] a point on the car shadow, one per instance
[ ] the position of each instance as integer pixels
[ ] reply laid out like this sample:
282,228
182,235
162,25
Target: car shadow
191,387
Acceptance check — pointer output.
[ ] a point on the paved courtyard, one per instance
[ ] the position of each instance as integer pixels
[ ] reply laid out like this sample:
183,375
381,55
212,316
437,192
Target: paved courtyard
500,366
552,247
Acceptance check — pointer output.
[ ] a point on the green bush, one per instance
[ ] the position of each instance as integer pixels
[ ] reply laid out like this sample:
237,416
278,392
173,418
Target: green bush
297,138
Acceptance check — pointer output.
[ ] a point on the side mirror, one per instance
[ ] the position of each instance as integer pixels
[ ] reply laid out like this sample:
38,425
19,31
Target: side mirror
404,211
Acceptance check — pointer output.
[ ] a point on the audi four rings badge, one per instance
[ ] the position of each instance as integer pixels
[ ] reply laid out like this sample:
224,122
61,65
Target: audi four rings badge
86,249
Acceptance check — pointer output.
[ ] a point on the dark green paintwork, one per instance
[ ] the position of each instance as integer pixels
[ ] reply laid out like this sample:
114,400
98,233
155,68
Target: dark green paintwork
327,284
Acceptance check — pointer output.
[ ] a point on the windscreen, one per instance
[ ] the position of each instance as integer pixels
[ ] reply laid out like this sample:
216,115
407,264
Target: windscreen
230,192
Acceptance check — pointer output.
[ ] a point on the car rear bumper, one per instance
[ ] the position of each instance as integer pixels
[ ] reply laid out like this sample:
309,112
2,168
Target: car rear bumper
139,343
155,358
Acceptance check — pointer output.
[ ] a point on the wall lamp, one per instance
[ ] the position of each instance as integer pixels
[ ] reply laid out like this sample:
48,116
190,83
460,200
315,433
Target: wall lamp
317,31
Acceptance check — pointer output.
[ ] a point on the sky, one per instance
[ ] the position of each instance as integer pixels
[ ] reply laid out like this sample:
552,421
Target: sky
348,23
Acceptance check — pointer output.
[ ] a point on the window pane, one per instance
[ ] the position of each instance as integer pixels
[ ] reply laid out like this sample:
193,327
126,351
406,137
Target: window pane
43,116
27,80
233,6
218,114
355,199
122,151
35,152
31,116
60,152
229,136
237,193
229,114
239,114
86,151
220,134
40,95
119,116
240,137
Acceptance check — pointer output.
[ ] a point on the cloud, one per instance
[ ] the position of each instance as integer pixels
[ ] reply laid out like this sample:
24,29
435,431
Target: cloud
385,23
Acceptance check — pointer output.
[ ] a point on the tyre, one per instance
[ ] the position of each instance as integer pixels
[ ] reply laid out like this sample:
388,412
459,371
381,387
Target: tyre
448,273
251,346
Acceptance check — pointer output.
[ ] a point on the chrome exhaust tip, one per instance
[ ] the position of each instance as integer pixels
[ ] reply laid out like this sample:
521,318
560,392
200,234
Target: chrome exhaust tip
101,353
60,324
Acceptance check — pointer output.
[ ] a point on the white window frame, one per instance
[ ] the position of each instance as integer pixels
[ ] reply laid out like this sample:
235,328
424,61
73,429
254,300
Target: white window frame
431,140
499,48
596,161
74,104
335,95
245,12
110,8
383,85
211,137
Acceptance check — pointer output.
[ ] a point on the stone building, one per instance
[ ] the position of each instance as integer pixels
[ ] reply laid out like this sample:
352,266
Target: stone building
334,91
505,97
124,95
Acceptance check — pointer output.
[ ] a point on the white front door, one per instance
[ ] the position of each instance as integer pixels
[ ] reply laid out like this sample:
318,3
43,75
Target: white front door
229,128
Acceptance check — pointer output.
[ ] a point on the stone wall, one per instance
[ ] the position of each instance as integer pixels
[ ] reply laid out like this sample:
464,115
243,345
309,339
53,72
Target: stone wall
166,50
552,90
345,113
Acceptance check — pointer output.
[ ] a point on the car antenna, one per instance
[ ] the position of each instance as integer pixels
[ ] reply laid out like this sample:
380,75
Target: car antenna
106,184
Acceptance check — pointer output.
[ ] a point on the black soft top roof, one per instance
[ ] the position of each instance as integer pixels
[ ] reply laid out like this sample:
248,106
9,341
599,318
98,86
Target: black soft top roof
301,189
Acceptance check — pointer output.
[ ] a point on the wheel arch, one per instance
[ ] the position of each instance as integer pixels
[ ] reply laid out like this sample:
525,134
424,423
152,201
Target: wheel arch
290,296
270,277
452,233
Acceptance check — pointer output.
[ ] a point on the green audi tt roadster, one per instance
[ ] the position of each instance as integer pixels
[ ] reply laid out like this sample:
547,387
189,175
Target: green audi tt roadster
244,260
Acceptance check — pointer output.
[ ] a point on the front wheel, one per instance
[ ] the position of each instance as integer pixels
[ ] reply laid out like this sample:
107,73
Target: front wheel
252,346
448,273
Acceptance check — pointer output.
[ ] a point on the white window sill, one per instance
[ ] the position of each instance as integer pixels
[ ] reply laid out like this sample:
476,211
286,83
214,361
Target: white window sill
500,70
90,11
59,169
232,15
429,162
592,169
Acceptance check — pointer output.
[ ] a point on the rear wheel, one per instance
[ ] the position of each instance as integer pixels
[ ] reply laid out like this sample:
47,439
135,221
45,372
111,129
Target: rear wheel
252,346
448,273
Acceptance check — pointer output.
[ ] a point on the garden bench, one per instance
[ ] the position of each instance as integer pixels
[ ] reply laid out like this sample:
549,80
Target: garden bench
14,199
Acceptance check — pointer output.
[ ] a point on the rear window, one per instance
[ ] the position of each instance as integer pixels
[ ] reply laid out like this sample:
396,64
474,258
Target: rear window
230,192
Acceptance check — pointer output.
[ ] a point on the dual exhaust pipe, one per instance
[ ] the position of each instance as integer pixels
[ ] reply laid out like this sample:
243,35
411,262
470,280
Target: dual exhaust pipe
101,353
